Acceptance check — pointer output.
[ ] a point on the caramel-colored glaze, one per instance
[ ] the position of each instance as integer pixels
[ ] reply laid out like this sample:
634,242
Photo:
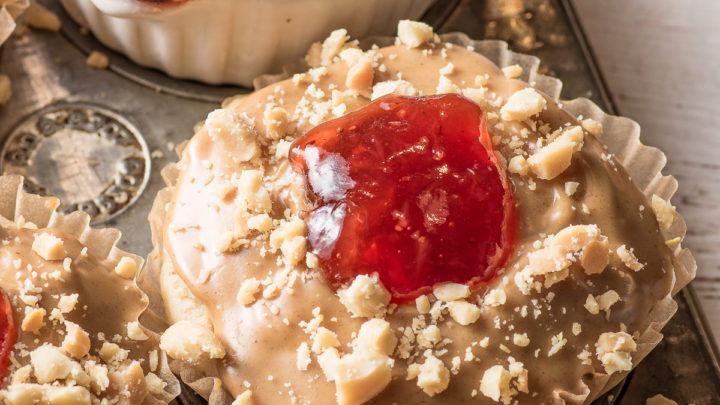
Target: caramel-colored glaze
106,302
262,348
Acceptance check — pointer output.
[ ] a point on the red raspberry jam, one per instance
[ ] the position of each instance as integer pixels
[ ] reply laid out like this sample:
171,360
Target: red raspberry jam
8,335
408,188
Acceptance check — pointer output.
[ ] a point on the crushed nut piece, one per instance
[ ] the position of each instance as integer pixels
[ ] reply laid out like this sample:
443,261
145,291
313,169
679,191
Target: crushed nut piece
360,75
275,120
571,187
422,303
664,212
48,246
375,336
629,259
34,320
303,357
558,342
234,133
606,300
248,290
451,292
191,342
521,340
50,364
97,60
413,33
495,384
592,305
433,377
135,332
324,339
358,377
523,104
332,45
518,165
399,87
495,298
246,398
593,127
512,72
77,341
614,351
365,297
126,268
552,159
463,312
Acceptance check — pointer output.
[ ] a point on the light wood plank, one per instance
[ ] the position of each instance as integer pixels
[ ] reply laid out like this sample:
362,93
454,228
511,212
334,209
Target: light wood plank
661,59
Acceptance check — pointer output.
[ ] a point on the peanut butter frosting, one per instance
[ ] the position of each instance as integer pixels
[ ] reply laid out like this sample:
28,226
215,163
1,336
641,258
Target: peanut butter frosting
76,309
560,324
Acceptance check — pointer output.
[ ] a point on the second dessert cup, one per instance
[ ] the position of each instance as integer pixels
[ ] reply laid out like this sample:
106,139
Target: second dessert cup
19,209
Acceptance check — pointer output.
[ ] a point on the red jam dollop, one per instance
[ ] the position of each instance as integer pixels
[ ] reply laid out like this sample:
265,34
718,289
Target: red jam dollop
408,188
8,335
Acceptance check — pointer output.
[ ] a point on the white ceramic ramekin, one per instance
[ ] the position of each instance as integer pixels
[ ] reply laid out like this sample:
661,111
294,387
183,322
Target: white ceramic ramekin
231,41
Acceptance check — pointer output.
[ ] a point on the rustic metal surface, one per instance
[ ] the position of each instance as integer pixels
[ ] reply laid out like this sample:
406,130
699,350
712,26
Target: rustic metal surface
90,157
46,69
49,70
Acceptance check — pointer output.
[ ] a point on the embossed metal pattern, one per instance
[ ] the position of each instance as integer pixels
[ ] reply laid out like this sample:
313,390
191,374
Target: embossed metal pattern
93,159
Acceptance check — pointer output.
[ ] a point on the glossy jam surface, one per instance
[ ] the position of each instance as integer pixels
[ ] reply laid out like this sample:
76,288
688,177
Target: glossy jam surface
408,188
8,335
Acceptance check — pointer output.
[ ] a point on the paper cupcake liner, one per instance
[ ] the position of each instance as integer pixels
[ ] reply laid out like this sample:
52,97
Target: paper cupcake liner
621,137
9,11
18,208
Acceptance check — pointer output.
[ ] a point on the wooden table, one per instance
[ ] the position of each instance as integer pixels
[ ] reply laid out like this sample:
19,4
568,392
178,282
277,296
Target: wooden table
661,60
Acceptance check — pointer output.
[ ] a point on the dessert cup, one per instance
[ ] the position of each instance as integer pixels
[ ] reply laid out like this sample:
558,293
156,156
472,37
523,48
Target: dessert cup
101,279
620,138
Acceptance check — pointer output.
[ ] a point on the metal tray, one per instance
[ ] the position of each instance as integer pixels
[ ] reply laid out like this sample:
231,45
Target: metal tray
141,114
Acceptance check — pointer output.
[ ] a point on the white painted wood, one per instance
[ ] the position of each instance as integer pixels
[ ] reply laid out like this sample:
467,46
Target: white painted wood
661,59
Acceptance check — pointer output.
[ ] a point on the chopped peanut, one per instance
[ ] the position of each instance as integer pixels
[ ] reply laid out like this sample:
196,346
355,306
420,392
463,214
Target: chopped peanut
463,312
413,33
77,341
126,268
50,364
33,320
552,159
191,342
451,292
324,339
360,76
664,212
48,246
495,383
523,104
614,351
365,297
433,376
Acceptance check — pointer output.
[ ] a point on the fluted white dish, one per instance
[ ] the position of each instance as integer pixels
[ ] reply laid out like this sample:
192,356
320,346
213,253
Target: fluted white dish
231,41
